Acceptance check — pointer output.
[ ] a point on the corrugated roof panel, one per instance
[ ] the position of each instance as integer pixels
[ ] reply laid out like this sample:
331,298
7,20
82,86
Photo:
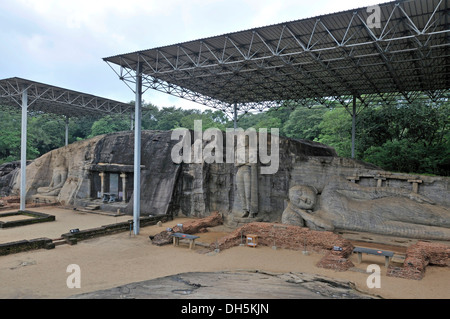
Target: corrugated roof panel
334,54
52,99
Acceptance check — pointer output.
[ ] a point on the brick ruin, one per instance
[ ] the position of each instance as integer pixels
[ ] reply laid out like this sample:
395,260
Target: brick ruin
336,249
192,227
418,257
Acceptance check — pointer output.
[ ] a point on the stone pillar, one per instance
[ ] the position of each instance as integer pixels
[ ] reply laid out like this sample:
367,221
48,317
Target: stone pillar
102,180
380,181
124,186
353,179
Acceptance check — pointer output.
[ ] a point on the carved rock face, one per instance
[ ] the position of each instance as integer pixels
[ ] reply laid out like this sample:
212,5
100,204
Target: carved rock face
311,187
388,211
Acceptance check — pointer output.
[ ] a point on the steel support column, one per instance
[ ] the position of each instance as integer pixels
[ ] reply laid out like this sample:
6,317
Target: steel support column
137,151
235,115
353,126
131,122
23,150
67,131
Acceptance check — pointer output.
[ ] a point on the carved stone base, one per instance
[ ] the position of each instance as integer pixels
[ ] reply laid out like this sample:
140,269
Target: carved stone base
234,221
247,220
44,199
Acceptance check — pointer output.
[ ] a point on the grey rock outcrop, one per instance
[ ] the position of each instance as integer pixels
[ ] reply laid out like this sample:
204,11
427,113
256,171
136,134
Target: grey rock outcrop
8,174
166,187
198,189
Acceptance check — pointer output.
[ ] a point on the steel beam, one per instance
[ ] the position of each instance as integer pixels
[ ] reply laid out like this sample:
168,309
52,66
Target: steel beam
311,60
235,115
52,99
67,131
23,150
137,151
353,126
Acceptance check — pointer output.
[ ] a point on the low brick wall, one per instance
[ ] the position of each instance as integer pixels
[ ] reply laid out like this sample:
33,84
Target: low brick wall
25,245
200,225
296,238
191,227
73,238
418,257
336,260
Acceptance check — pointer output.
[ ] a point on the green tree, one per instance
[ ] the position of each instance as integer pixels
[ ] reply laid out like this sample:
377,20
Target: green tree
397,137
80,128
304,123
247,120
209,119
407,138
273,118
335,131
110,124
149,117
169,118
10,137
405,156
47,132
268,123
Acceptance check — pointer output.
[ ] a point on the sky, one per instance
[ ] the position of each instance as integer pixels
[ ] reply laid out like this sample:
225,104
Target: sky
62,43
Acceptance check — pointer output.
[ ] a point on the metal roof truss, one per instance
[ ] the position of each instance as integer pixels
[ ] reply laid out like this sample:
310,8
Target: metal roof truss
51,99
323,59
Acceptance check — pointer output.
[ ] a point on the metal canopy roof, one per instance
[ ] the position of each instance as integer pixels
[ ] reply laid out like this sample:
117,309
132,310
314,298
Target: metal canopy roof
322,59
51,99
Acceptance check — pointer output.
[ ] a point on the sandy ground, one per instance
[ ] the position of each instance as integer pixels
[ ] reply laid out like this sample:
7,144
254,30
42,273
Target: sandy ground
114,260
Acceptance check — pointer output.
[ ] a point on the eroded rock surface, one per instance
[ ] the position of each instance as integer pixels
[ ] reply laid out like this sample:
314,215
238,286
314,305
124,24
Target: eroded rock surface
233,285
347,194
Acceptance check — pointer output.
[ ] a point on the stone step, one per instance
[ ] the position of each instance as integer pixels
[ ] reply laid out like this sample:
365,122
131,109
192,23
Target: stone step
100,212
92,207
397,258
59,241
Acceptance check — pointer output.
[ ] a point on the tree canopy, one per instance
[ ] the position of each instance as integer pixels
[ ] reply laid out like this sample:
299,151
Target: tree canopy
412,138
